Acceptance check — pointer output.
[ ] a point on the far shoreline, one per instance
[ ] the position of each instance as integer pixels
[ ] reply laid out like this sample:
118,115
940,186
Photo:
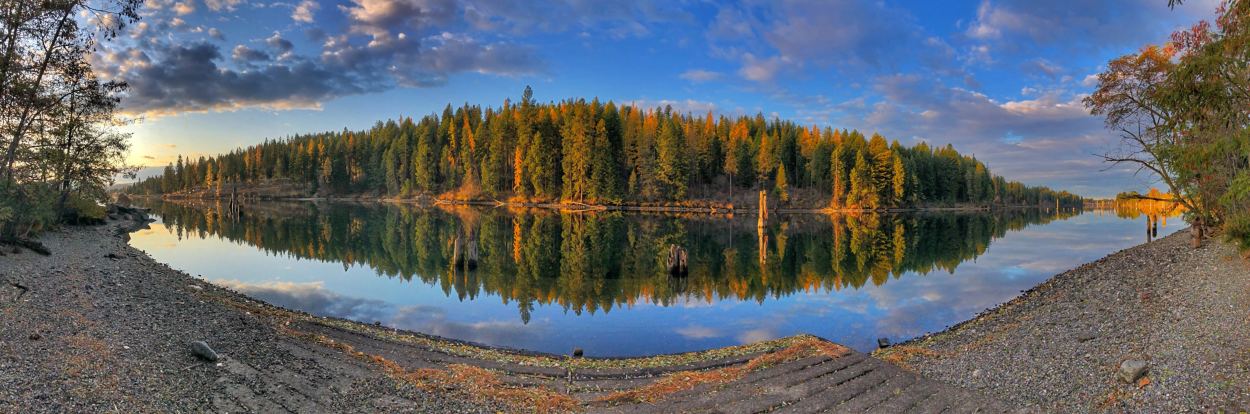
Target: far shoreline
581,207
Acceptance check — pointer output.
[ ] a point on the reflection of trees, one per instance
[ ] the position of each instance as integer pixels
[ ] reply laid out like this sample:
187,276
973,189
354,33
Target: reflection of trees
1132,209
590,262
1155,206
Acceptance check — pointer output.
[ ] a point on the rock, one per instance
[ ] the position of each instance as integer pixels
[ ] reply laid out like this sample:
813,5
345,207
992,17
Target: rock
36,336
201,349
1132,369
883,343
1086,337
577,353
195,286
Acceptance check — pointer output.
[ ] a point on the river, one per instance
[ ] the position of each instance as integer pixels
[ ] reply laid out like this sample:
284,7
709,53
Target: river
551,281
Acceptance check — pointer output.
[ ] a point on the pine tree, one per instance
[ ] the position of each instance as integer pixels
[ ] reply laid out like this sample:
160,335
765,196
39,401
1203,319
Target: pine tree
900,180
839,174
863,192
604,176
782,187
672,164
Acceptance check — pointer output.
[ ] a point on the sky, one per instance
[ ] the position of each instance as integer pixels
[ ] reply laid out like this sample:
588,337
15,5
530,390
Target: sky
1002,80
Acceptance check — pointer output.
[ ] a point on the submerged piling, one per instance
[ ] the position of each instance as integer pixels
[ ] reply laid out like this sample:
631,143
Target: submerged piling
677,265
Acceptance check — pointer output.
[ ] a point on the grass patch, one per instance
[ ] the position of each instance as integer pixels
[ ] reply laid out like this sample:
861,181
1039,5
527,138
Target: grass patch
466,381
685,380
900,355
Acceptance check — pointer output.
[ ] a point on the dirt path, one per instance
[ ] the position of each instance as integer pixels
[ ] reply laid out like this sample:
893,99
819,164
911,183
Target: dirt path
101,327
1059,347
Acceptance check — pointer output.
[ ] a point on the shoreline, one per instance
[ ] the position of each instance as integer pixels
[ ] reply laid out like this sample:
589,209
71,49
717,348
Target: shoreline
579,207
1059,345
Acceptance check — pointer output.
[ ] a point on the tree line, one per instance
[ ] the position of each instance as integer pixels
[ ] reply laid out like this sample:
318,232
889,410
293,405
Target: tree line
583,151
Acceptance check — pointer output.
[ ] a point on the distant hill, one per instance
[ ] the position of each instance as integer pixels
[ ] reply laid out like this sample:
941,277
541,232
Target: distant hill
143,174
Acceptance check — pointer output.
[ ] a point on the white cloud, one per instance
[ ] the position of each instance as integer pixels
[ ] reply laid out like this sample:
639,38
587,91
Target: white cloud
1090,80
184,8
303,13
684,106
219,5
700,75
759,70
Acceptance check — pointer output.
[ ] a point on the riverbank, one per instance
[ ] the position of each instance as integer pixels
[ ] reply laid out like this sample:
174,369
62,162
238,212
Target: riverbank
99,326
1059,347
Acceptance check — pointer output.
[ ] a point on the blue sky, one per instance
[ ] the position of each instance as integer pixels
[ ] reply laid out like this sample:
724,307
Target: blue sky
999,79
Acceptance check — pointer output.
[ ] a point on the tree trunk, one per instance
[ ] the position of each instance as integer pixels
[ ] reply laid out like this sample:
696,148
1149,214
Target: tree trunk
24,122
1197,241
65,163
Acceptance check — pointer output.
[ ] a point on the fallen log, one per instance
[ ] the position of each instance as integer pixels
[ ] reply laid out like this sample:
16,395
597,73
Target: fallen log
32,245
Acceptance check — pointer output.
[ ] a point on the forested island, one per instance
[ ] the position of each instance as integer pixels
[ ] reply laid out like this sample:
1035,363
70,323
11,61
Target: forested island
588,152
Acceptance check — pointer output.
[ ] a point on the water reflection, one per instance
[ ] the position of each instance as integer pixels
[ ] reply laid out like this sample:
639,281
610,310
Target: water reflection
595,262
1155,210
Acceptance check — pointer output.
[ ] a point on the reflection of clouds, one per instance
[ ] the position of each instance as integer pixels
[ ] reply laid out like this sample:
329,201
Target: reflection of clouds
1047,265
314,298
757,335
821,304
691,302
433,320
698,332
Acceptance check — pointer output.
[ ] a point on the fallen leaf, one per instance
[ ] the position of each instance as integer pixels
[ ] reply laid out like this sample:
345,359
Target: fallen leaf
1143,382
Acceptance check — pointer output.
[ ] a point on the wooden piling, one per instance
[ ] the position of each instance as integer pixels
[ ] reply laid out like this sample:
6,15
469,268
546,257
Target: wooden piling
677,260
763,216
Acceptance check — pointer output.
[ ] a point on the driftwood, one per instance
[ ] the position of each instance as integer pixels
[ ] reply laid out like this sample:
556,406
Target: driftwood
34,246
677,260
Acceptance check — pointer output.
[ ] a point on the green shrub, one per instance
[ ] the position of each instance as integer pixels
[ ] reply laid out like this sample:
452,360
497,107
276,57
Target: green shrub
83,210
26,209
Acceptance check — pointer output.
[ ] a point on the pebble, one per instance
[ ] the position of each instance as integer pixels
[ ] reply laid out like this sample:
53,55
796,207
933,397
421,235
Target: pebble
1131,370
202,350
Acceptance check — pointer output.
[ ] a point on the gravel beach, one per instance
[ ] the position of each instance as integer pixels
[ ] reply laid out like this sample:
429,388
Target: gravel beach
1059,347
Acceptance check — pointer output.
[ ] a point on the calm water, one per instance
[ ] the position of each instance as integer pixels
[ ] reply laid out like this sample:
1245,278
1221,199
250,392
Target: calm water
549,282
